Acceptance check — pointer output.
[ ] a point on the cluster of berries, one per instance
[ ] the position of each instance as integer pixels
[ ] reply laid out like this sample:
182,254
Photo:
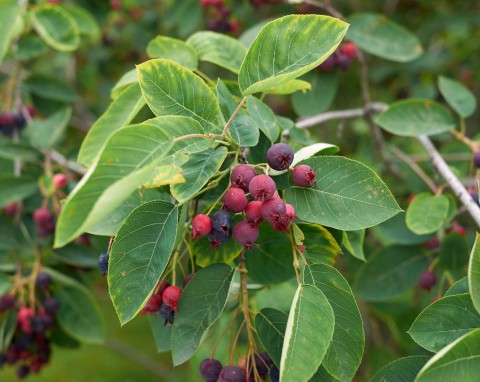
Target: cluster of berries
342,58
10,122
211,370
30,345
220,17
259,3
267,205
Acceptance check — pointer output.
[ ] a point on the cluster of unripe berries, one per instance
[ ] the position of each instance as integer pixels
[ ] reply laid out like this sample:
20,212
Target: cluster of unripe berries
10,122
219,16
340,59
211,370
266,204
30,346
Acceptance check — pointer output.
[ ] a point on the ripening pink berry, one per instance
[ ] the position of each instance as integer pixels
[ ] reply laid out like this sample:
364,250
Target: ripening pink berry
245,233
350,50
42,216
252,212
235,199
262,187
241,176
60,181
201,225
11,209
272,209
171,295
303,176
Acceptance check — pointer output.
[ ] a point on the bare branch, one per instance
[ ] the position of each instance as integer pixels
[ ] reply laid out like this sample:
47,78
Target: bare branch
61,160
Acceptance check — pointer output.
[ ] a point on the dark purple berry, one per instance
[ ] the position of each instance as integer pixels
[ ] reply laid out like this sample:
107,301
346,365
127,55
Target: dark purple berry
245,233
43,280
274,374
187,279
280,156
201,225
232,374
217,238
23,371
343,61
263,363
303,176
222,222
262,187
427,280
235,199
328,65
272,209
24,341
241,176
476,159
7,301
252,212
210,370
51,306
167,314
103,262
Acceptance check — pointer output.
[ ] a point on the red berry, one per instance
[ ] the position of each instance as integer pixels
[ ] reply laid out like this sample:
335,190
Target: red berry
234,26
11,209
262,187
171,295
427,280
235,199
476,159
245,233
153,304
272,209
42,216
201,225
252,212
241,176
350,50
116,4
280,156
24,317
60,181
303,176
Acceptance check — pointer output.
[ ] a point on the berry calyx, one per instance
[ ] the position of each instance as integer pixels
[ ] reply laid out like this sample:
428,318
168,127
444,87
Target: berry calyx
241,176
232,374
103,262
42,216
252,212
235,199
201,225
273,209
262,187
245,233
221,221
171,295
350,50
427,280
210,369
60,181
280,156
303,176
217,238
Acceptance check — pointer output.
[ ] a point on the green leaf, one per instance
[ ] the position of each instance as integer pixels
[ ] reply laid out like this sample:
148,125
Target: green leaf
264,118
13,189
453,251
120,113
204,255
199,168
290,87
270,325
288,47
348,195
243,129
308,334
8,17
162,333
320,245
30,47
427,213
414,117
443,321
87,25
129,78
390,273
401,370
50,88
173,49
378,35
319,98
455,362
353,243
474,273
8,323
202,302
460,287
458,96
127,161
395,231
345,352
218,49
10,234
139,255
56,27
47,133
170,89
79,315
77,256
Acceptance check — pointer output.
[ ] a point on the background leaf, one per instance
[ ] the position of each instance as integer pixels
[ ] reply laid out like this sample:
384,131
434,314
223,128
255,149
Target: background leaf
270,325
426,213
162,333
353,243
319,98
14,188
47,133
458,96
401,370
454,251
474,273
173,49
8,17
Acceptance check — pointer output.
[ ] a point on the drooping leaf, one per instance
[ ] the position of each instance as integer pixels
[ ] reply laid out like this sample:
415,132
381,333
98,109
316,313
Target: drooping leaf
319,98
401,370
347,196
288,47
458,96
443,321
346,349
264,118
218,49
173,49
170,89
8,16
382,37
453,251
353,243
474,273
47,133
162,333
426,213
12,150
139,255
414,117
390,273
202,302
14,188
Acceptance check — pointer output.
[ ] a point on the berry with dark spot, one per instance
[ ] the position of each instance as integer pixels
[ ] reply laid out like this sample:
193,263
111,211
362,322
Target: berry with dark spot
350,50
167,313
232,374
171,295
303,176
222,222
245,233
42,216
217,238
427,280
262,187
241,176
7,301
235,199
201,225
43,280
187,279
280,156
252,212
210,369
51,306
103,262
273,209
60,181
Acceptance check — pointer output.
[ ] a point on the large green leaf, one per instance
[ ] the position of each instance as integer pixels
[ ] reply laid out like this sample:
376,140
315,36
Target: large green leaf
427,213
139,255
199,168
8,17
202,302
14,188
173,49
127,160
401,370
348,195
455,362
56,27
390,273
47,133
119,114
264,118
458,96
442,322
288,47
170,89
308,334
162,333
319,98
474,273
270,325
218,49
378,35
414,117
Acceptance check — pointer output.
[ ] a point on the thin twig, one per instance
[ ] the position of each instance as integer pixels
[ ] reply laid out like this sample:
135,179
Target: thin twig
61,160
